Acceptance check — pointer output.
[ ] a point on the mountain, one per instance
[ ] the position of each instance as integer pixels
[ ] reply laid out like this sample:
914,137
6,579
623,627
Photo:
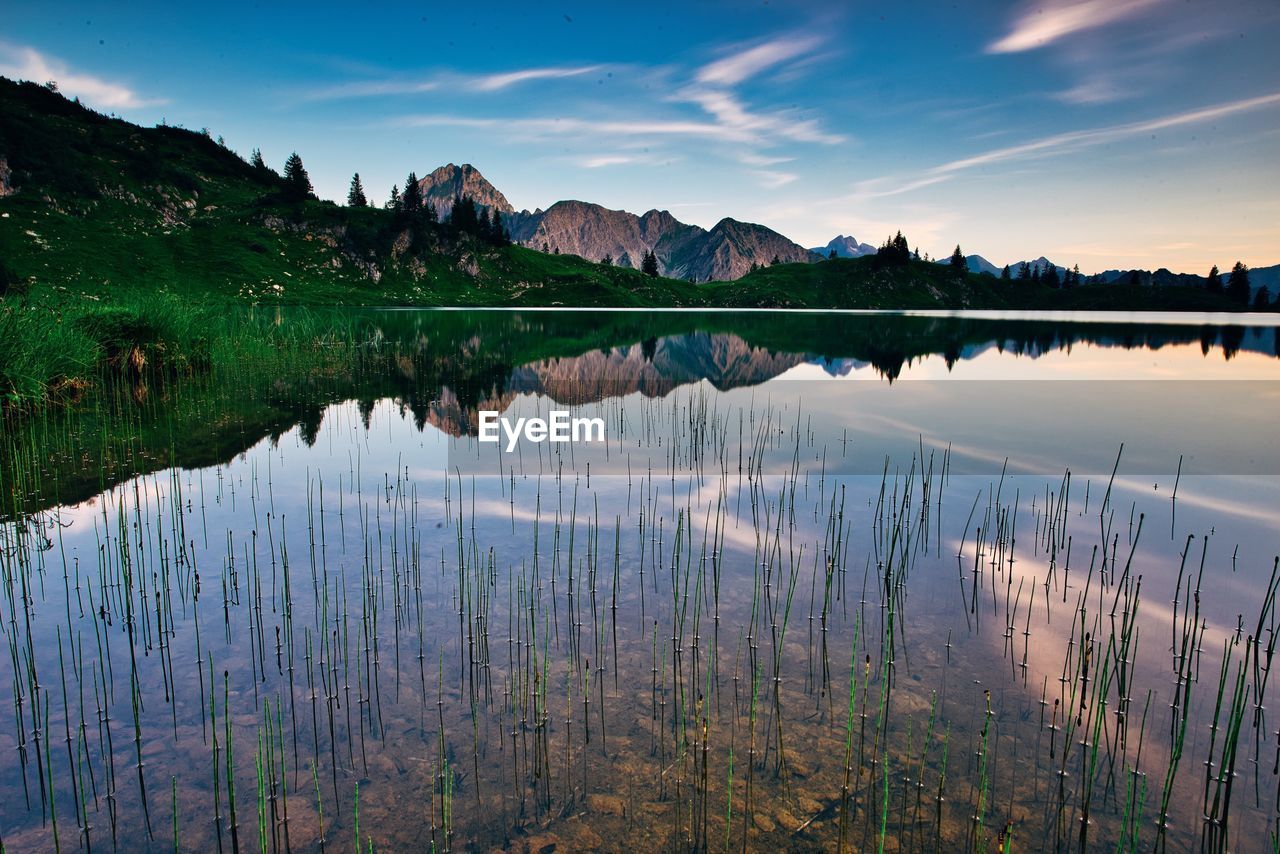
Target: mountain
978,264
1268,277
1259,277
1042,262
447,183
726,251
845,247
591,231
731,248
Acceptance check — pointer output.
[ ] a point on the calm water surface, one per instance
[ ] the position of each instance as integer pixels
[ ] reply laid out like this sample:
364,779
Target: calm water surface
832,581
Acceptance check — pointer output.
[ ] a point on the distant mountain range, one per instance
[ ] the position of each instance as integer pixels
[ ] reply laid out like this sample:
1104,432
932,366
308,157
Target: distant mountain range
844,247
1259,277
728,250
978,264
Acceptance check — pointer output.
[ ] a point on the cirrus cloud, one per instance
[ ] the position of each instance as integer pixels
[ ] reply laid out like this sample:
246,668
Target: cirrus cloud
1045,23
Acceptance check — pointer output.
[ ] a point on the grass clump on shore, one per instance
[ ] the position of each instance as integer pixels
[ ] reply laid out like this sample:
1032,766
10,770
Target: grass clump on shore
55,349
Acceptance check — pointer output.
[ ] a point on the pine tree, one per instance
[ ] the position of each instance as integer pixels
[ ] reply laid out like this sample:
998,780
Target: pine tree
831,256
1238,284
355,196
649,265
1049,278
1004,274
895,251
607,260
1135,278
1075,276
775,260
394,202
1262,299
959,264
297,184
1214,283
1024,272
411,198
900,245
464,216
256,161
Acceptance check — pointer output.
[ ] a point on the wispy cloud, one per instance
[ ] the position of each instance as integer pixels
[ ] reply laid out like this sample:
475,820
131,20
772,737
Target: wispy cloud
878,188
744,64
772,180
1044,23
550,127
750,158
495,82
1096,90
601,160
730,112
446,81
1056,144
1073,140
26,63
702,103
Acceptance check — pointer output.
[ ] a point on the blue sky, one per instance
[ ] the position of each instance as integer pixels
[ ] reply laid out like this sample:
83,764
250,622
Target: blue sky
1109,133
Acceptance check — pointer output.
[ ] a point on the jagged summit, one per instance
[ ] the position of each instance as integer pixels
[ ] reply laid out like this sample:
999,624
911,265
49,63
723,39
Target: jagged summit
445,184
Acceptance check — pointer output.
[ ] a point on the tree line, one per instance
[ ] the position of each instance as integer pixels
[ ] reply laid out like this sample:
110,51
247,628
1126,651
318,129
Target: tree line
896,251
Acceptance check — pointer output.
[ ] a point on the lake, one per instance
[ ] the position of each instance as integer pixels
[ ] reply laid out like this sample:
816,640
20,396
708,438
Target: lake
831,581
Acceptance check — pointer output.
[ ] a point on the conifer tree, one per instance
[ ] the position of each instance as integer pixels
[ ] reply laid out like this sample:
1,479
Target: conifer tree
959,264
411,198
355,196
297,184
1049,278
649,264
1005,274
1214,283
1238,284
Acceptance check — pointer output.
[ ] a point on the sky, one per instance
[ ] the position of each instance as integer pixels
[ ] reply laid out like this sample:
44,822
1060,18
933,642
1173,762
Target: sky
1104,133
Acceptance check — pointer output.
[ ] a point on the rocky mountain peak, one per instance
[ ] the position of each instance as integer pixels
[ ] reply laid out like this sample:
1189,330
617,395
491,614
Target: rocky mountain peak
845,247
448,182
